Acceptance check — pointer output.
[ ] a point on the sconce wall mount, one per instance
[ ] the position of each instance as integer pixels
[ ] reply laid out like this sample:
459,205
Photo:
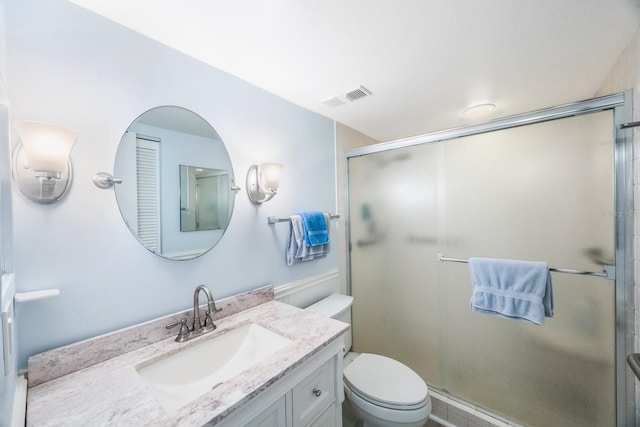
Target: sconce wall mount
105,180
263,181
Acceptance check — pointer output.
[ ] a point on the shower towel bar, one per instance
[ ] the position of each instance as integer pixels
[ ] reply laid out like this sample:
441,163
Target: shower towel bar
608,270
629,125
274,220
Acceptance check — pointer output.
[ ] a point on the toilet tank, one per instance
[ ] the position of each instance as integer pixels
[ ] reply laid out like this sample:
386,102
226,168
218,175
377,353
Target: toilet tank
337,307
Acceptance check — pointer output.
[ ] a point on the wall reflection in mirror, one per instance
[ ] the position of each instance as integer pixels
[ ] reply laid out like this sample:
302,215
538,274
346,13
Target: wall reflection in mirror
175,210
204,198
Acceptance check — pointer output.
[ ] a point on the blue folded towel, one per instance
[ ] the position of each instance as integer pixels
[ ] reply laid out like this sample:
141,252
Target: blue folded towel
297,250
514,289
315,228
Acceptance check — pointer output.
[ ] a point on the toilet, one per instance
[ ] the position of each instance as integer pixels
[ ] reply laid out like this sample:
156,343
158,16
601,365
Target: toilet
380,391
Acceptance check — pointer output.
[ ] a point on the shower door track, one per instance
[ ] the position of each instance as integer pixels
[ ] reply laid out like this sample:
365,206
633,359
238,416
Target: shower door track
620,104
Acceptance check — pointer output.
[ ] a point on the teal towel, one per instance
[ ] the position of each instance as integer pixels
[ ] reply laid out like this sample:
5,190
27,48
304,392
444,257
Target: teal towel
315,228
514,289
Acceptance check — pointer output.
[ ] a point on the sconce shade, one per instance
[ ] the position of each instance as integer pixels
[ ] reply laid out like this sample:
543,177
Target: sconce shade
270,174
263,181
41,165
47,146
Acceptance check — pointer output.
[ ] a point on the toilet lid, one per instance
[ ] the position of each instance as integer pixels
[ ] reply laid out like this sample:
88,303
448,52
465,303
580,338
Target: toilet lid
381,379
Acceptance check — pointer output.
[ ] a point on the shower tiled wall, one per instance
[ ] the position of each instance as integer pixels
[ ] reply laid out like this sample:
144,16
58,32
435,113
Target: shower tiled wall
449,412
625,75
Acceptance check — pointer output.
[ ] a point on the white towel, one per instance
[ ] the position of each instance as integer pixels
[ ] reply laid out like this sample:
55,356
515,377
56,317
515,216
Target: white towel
297,250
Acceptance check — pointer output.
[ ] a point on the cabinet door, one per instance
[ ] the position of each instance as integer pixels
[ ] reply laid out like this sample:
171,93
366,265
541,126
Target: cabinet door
327,419
314,394
274,416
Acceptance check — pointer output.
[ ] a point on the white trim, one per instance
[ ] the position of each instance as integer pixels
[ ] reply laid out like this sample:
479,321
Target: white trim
20,402
307,282
7,284
182,255
441,421
7,313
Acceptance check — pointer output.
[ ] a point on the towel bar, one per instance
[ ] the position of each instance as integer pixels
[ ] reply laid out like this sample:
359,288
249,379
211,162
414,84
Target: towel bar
629,125
273,220
609,271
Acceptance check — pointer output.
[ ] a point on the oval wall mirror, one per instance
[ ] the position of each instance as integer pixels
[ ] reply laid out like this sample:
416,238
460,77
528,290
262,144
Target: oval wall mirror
177,192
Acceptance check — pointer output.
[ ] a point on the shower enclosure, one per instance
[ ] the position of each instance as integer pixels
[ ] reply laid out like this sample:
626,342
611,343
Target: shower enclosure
546,186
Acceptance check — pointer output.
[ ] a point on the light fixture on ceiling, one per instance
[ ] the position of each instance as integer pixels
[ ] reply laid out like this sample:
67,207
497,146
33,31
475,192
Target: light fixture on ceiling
41,164
479,111
263,181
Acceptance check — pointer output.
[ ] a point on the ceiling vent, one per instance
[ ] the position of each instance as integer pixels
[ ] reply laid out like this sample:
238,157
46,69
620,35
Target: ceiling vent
354,95
333,102
358,93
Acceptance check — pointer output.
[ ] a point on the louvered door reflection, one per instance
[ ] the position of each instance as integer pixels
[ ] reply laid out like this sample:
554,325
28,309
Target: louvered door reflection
148,194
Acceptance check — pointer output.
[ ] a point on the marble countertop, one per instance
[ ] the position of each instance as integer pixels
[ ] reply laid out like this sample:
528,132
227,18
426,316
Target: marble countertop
111,392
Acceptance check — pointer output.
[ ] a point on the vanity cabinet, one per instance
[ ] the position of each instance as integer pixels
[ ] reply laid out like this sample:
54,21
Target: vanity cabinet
274,416
310,396
328,418
314,395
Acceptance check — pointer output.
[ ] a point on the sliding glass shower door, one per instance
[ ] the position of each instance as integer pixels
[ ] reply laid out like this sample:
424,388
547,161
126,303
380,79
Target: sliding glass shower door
394,219
541,192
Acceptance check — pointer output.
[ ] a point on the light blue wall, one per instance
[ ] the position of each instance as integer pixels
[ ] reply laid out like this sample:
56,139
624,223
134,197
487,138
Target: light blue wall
74,68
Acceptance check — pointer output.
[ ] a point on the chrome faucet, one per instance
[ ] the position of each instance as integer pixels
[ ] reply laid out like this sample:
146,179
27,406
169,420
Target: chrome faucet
197,327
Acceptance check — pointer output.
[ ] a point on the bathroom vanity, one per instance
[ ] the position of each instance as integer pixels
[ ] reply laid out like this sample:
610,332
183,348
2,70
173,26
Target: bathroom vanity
296,381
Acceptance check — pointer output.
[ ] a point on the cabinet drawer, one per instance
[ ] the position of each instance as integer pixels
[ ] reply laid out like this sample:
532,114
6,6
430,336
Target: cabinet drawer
327,419
314,394
274,416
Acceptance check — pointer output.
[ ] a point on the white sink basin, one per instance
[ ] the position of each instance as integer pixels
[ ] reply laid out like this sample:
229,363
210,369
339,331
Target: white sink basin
178,379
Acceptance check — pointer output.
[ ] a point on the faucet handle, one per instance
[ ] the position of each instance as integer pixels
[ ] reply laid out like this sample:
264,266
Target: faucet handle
208,317
184,329
208,320
182,322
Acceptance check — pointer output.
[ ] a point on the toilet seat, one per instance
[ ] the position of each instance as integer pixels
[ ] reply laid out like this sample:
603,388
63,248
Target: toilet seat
385,382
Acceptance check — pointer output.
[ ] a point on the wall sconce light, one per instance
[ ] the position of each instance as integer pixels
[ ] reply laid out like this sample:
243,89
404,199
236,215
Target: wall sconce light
263,181
41,163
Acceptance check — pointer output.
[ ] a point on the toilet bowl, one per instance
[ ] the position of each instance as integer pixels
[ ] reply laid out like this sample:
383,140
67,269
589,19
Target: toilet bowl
380,391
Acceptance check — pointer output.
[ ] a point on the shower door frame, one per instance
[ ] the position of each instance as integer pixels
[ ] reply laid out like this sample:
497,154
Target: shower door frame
620,104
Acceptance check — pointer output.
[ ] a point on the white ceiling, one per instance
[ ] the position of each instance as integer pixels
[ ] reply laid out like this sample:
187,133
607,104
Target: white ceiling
424,60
